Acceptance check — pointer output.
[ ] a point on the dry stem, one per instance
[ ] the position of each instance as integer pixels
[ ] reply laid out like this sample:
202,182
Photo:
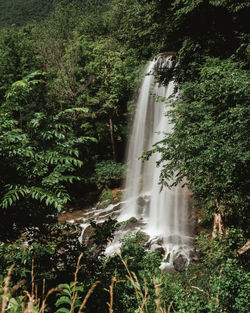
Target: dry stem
6,288
88,295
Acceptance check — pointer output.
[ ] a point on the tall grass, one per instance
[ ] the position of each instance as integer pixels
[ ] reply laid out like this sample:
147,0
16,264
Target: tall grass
29,302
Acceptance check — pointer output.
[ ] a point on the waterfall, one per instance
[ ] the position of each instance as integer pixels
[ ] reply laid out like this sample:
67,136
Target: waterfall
166,213
163,217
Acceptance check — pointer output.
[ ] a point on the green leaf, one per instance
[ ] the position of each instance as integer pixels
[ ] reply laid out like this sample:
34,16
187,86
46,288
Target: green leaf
63,300
62,310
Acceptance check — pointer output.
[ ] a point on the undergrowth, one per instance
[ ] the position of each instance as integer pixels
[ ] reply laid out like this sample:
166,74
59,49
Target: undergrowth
131,282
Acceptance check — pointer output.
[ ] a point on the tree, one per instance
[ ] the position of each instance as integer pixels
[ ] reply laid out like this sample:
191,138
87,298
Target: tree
37,163
114,74
17,56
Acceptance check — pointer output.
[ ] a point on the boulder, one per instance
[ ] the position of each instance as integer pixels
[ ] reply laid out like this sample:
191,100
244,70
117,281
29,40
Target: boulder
144,238
180,262
156,241
159,249
132,221
130,224
89,231
140,201
117,207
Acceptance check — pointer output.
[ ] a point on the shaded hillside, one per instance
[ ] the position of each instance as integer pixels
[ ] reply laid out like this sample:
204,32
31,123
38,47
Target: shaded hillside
20,12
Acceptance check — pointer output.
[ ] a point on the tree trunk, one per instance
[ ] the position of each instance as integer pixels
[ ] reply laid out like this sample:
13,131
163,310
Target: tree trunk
245,248
112,137
218,227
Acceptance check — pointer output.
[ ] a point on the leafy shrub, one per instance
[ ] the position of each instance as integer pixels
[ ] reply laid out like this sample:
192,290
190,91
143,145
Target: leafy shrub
109,196
108,173
136,269
54,250
218,283
106,198
38,161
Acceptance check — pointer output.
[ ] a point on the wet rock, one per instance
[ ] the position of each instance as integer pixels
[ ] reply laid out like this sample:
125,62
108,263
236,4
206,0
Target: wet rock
131,224
86,237
114,215
167,258
167,267
180,262
79,220
156,241
159,249
87,234
132,221
143,204
141,201
104,214
117,207
103,204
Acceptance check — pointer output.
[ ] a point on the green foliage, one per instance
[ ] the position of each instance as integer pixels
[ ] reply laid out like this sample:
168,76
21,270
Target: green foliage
209,142
137,270
51,166
54,249
106,198
17,56
42,161
108,173
91,72
113,71
52,68
106,195
218,283
104,232
20,12
69,299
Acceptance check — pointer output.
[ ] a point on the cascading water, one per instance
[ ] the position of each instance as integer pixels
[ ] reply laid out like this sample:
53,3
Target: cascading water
166,213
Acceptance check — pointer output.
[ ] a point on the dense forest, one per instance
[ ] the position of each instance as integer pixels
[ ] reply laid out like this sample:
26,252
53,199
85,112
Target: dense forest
68,75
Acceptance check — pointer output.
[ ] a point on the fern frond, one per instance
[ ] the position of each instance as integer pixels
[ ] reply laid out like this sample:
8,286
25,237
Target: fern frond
56,199
71,110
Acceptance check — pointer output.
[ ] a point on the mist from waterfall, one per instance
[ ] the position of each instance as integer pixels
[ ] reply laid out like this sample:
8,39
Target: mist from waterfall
166,212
